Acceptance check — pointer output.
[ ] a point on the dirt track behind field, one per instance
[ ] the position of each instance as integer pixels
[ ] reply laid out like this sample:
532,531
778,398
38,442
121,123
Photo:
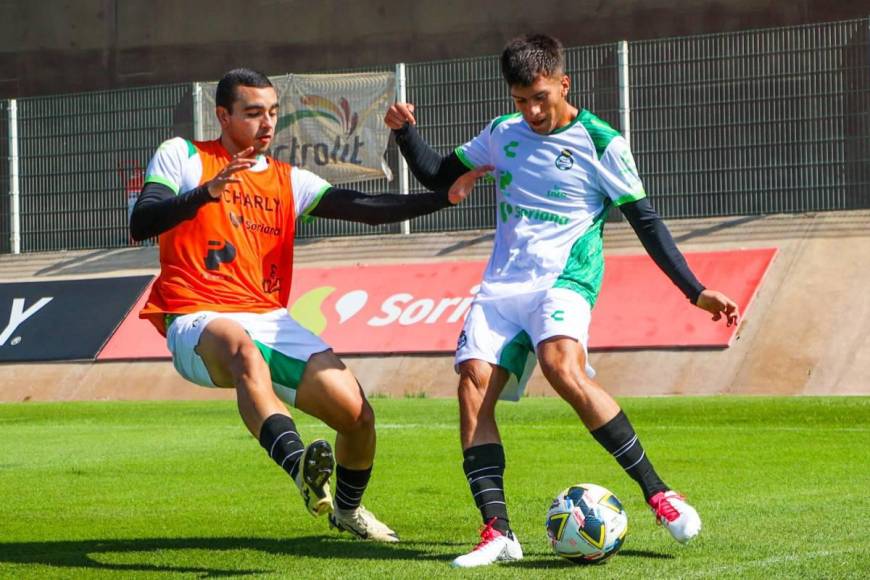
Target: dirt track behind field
808,331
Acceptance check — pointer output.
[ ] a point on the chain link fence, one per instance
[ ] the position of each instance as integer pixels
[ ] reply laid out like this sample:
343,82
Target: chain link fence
457,99
5,221
82,158
765,121
769,121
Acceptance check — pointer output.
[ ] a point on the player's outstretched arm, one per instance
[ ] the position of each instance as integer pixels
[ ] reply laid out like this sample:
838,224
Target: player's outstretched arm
660,245
158,209
428,166
384,208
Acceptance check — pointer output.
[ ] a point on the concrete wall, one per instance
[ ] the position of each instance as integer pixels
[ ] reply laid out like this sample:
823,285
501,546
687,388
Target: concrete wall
58,46
807,333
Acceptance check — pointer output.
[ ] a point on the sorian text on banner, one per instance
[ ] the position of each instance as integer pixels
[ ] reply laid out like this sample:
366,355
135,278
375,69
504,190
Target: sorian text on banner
396,308
329,124
63,320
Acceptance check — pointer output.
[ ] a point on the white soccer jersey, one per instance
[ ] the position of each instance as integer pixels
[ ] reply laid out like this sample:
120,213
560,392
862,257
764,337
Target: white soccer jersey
177,165
552,195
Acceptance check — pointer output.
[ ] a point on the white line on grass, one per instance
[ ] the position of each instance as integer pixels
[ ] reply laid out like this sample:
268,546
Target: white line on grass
729,428
773,560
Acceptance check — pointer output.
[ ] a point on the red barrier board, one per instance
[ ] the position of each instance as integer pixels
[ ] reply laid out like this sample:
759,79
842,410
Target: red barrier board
135,338
421,307
639,306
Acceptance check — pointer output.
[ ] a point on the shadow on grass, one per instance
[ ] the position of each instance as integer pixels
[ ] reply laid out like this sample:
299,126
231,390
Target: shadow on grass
81,554
555,562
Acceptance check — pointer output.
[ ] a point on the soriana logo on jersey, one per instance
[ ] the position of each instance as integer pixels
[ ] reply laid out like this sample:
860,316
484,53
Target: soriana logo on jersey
398,308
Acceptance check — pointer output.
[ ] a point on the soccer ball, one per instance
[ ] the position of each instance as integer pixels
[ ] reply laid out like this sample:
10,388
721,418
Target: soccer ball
586,524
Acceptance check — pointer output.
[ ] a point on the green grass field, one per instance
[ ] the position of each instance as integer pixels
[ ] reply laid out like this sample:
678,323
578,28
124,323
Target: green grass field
181,490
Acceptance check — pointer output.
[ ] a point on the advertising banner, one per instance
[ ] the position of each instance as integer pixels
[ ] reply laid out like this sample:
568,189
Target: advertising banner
421,307
65,319
407,308
329,124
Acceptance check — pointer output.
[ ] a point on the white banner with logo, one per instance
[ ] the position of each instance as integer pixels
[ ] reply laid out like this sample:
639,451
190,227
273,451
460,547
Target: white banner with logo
332,125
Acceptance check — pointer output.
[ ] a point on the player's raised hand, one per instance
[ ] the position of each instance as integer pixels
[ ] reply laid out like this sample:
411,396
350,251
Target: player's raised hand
719,305
462,187
399,114
240,162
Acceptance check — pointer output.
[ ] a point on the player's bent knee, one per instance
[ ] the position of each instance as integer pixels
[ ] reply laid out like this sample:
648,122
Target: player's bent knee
248,361
473,378
249,356
468,391
362,421
365,421
565,373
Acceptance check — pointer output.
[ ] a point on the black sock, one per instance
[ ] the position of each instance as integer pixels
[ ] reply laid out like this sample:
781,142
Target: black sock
350,485
279,438
484,470
617,436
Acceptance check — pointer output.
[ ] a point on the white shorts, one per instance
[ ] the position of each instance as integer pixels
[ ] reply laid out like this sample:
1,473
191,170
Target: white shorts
506,331
285,344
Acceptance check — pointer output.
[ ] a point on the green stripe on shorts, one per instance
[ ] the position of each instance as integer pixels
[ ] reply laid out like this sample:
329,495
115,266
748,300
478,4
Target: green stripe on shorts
515,354
285,371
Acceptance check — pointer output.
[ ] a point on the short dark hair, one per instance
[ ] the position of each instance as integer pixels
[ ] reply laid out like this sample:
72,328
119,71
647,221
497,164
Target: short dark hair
525,57
225,95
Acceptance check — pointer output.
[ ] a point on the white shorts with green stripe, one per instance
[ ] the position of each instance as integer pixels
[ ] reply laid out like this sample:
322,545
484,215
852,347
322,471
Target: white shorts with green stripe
506,331
284,343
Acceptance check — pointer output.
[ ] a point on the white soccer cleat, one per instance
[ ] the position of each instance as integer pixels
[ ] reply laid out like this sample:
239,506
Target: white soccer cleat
312,479
493,547
672,512
363,524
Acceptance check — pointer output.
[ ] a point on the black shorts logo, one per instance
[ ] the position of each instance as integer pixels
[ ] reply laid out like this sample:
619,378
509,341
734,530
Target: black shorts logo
219,253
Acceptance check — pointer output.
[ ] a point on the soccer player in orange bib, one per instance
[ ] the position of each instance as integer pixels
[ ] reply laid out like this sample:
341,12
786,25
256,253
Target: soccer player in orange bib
225,213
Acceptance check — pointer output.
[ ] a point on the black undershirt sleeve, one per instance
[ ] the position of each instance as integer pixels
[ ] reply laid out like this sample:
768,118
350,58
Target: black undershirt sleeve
432,170
374,210
158,209
660,245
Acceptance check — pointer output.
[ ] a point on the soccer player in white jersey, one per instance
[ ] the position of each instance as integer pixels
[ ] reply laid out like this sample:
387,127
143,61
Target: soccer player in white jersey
557,171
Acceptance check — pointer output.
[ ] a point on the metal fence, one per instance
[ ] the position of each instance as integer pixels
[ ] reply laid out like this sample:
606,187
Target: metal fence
457,99
83,156
5,222
769,121
765,121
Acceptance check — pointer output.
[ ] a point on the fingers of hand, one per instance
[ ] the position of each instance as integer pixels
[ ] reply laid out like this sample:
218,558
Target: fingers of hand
733,314
237,165
469,179
406,112
395,119
472,176
398,114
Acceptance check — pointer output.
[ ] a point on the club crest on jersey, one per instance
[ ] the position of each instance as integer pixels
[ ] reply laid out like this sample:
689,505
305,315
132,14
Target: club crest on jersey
463,340
565,160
